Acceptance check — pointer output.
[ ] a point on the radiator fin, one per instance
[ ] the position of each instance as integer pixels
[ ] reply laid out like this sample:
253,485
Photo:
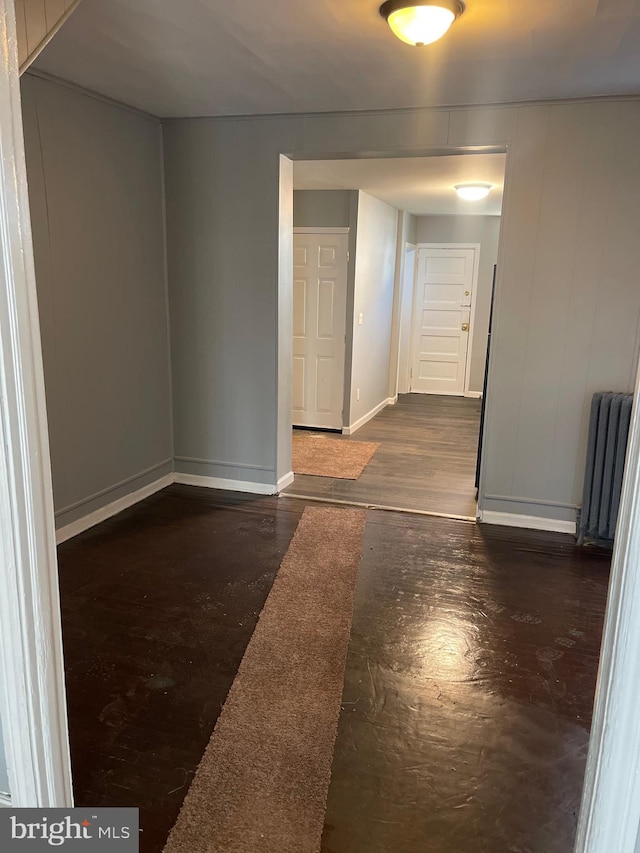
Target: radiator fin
606,451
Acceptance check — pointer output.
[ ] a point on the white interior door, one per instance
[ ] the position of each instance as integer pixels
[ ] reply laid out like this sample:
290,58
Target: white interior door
319,325
442,319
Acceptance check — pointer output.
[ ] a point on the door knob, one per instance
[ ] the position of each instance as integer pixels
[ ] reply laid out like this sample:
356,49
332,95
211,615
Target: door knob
465,327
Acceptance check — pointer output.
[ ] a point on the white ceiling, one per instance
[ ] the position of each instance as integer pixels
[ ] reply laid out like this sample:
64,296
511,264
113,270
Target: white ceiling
209,57
419,185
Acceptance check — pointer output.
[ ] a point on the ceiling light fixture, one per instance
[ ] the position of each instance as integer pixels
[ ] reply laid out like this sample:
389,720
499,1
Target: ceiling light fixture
422,21
473,192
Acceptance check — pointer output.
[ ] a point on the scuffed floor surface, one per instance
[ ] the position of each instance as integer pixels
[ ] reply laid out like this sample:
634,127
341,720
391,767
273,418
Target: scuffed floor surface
469,683
469,690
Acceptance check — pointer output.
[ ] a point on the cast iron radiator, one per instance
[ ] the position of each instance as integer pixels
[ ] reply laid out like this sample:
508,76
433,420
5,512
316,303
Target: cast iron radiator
606,451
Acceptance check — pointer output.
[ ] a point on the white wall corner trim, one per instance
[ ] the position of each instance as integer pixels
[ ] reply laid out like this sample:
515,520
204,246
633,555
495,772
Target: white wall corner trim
529,522
285,481
115,507
247,486
33,708
477,395
354,427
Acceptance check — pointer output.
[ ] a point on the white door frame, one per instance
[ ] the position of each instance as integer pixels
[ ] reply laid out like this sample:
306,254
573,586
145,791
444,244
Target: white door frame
33,700
610,813
474,288
405,323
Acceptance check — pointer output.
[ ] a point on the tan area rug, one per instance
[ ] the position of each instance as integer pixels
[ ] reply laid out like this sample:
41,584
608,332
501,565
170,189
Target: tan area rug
330,457
263,781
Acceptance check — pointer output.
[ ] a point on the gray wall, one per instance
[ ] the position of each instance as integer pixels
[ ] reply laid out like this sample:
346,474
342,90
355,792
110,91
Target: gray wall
412,228
322,208
374,299
568,303
470,229
223,191
95,189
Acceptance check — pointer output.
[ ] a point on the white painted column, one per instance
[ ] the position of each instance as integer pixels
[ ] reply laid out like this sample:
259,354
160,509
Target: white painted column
610,813
33,707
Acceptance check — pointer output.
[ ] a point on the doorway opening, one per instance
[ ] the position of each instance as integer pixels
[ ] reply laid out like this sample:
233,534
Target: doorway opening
393,277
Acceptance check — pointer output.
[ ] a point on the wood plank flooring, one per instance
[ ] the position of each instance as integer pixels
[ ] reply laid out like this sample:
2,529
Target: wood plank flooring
469,686
426,462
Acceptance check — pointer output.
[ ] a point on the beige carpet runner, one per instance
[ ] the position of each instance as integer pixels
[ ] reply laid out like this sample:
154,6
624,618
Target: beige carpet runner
331,457
262,783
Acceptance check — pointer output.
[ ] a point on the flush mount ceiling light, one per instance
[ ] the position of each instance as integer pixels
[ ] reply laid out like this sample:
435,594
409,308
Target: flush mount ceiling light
421,22
473,192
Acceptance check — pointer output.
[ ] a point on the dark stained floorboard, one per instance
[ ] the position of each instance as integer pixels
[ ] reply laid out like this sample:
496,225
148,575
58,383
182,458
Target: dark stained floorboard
158,607
468,691
469,685
426,462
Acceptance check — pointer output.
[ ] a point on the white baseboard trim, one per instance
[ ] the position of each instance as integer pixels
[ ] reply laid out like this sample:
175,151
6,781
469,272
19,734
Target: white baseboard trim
5,801
477,395
285,481
530,522
108,511
349,430
246,486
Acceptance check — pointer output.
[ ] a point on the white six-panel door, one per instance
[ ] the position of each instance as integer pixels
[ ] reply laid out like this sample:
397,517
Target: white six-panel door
441,319
319,325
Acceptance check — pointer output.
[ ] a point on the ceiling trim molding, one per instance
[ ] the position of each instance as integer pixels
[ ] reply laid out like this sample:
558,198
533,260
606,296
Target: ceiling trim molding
105,99
398,154
499,105
35,53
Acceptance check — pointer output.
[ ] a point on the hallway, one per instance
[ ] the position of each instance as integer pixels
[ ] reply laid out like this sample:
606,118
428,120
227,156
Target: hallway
469,680
426,461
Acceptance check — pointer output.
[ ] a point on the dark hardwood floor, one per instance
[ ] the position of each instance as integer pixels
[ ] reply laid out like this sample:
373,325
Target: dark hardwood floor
468,692
426,461
469,683
158,607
